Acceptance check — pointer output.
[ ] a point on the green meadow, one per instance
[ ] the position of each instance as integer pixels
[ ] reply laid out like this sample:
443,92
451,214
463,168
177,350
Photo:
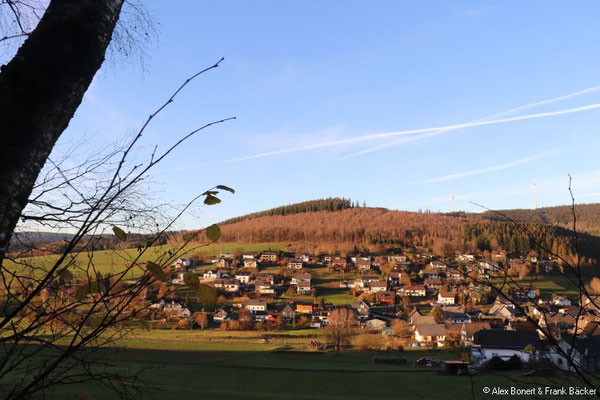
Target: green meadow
242,365
112,261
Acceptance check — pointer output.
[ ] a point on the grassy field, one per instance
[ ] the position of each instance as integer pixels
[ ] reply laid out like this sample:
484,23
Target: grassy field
548,284
233,365
108,261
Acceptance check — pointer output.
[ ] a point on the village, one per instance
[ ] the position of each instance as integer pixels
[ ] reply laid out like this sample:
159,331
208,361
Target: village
423,301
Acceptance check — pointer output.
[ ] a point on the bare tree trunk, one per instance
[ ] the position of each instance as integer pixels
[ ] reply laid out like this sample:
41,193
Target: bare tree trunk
40,90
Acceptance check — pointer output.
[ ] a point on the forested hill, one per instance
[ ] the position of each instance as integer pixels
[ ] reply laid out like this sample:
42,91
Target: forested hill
328,204
588,216
378,228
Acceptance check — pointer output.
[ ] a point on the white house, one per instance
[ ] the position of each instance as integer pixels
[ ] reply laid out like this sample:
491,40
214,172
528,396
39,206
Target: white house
379,286
255,305
303,288
211,274
431,333
295,264
446,298
243,276
489,343
231,285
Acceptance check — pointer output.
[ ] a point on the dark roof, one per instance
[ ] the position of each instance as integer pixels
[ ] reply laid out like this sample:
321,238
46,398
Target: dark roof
501,339
586,345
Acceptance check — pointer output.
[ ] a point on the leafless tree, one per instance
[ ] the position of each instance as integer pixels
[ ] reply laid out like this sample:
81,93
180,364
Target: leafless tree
57,311
341,327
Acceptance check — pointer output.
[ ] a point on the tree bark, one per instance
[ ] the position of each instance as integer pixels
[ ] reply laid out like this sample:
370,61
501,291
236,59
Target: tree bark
40,90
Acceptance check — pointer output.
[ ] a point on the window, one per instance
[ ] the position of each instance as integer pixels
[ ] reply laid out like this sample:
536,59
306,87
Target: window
560,361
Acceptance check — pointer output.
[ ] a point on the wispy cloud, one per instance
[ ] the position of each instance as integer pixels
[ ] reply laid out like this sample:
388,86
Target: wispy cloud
511,111
494,168
595,194
427,132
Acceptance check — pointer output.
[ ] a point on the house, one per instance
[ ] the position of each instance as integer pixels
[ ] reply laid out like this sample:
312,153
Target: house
217,283
525,293
303,288
250,263
297,278
266,278
432,284
489,266
378,286
176,310
221,316
562,301
386,297
591,302
302,257
304,308
295,264
375,323
212,274
256,305
412,290
437,265
327,259
395,278
429,273
584,351
446,298
502,311
243,276
418,319
288,313
466,257
455,315
490,343
264,288
338,263
467,331
454,275
185,262
364,265
396,258
362,307
231,285
431,333
268,257
224,262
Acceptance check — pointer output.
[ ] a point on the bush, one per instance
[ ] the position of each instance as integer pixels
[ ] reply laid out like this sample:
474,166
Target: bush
369,342
498,364
390,360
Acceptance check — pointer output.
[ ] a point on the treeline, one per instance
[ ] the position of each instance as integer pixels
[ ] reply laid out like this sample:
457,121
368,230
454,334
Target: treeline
588,216
328,204
524,237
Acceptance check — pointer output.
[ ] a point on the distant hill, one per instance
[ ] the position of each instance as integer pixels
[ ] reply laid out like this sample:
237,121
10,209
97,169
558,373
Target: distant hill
26,240
588,216
338,224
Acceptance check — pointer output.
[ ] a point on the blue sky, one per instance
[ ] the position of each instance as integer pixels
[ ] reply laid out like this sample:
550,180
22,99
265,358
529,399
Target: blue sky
314,85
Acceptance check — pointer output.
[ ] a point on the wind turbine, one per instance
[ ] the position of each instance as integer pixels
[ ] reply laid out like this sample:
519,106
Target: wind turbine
534,186
452,200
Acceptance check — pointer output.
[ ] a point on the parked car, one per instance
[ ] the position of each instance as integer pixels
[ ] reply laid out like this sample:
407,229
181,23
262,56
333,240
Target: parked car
428,362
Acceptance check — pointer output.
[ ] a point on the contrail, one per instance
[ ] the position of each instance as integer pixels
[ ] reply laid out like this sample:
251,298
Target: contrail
494,168
500,114
430,131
